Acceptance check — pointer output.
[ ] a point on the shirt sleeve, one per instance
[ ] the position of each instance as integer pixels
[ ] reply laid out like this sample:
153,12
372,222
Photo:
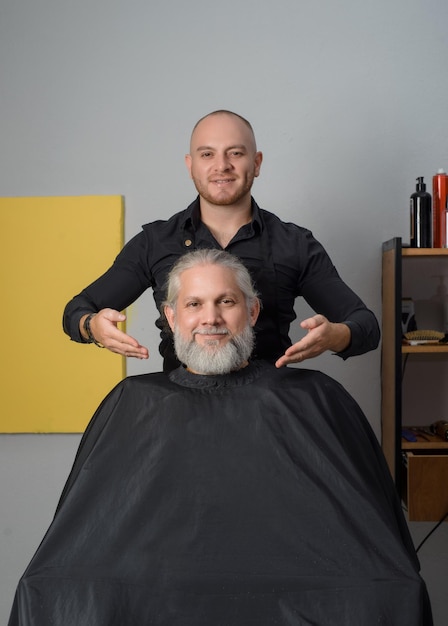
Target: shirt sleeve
325,291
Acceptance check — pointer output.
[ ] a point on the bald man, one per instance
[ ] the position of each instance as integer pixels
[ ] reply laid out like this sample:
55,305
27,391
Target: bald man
285,261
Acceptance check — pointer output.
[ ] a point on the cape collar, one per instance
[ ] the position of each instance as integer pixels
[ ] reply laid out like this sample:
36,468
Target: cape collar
245,376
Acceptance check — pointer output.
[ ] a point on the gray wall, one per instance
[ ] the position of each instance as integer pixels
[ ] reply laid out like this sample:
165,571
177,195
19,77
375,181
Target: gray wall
349,103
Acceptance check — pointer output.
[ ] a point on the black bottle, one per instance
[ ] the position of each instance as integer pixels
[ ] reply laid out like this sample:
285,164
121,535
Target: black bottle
421,217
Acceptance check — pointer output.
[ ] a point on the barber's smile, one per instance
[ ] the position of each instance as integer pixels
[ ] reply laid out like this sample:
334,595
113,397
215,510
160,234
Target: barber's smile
223,181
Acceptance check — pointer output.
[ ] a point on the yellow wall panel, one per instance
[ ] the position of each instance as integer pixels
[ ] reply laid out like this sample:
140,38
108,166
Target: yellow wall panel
50,248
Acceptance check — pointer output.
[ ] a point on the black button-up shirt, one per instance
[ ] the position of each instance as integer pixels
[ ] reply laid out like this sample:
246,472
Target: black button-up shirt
284,259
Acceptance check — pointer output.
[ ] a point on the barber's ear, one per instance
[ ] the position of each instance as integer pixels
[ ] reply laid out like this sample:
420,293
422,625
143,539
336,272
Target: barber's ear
255,312
257,161
169,314
188,163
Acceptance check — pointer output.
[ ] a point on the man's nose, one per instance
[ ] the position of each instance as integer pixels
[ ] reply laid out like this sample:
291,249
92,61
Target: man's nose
222,163
211,315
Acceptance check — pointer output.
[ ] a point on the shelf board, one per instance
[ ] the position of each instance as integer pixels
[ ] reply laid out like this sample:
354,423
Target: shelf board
424,445
424,251
425,349
427,442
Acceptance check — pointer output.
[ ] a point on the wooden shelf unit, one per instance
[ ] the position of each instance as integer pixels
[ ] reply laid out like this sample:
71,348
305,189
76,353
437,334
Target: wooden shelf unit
420,468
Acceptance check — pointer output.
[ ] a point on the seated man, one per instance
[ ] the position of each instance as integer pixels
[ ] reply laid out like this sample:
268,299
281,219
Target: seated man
226,493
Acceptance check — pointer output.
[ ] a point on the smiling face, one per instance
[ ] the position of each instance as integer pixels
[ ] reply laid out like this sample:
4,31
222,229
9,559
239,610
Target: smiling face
211,321
223,159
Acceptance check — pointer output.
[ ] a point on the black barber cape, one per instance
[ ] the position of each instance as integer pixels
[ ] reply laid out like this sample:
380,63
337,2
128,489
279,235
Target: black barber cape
256,498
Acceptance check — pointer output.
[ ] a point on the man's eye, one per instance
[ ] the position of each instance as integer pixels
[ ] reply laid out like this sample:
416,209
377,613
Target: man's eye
192,305
206,155
228,301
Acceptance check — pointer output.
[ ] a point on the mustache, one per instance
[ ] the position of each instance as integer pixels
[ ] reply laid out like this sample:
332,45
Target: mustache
211,330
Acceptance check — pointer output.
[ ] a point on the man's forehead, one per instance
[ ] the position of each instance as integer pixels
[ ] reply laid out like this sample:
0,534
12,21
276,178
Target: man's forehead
208,278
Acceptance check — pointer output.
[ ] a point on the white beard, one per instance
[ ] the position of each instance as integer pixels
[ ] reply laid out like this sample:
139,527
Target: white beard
211,358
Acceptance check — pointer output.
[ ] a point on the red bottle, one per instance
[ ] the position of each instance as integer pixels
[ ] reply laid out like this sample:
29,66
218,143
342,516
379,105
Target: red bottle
439,198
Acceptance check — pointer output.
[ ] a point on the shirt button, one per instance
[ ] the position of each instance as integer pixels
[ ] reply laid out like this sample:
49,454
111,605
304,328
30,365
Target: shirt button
188,242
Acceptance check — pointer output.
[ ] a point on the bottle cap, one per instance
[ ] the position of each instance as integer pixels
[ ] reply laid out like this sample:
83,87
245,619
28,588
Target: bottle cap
420,184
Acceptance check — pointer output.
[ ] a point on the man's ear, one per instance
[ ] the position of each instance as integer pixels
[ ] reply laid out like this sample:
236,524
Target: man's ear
169,314
257,161
255,311
188,163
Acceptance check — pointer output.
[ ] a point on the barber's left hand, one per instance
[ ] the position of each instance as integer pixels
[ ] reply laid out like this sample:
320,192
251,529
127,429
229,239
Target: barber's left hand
322,335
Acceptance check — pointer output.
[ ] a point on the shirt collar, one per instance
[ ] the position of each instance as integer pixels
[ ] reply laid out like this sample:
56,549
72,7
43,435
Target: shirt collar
193,215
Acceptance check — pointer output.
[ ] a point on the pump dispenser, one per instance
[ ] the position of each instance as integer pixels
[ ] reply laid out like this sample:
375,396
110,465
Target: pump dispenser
421,216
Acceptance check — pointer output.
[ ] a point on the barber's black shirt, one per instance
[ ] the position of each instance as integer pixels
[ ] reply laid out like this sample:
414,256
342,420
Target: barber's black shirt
284,260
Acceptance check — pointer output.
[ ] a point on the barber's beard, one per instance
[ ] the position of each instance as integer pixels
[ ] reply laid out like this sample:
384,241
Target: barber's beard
212,358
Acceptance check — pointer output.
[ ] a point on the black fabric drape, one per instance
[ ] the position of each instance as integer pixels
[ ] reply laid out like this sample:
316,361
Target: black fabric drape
261,497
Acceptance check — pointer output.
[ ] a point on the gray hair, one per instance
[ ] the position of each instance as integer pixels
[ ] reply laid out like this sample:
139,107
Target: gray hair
209,257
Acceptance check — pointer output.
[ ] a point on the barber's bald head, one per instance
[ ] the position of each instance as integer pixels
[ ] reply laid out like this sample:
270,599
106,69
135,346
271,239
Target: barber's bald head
234,117
223,160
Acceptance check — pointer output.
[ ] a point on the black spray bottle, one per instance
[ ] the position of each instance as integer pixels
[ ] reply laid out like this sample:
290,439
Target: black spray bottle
421,217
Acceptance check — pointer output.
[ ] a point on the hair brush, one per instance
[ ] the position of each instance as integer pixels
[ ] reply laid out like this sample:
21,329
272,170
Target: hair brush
415,337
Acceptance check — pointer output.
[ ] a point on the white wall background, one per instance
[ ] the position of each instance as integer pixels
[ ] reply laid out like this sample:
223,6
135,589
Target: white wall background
349,103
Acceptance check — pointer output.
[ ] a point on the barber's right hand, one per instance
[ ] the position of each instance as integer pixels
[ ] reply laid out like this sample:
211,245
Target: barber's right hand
104,328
